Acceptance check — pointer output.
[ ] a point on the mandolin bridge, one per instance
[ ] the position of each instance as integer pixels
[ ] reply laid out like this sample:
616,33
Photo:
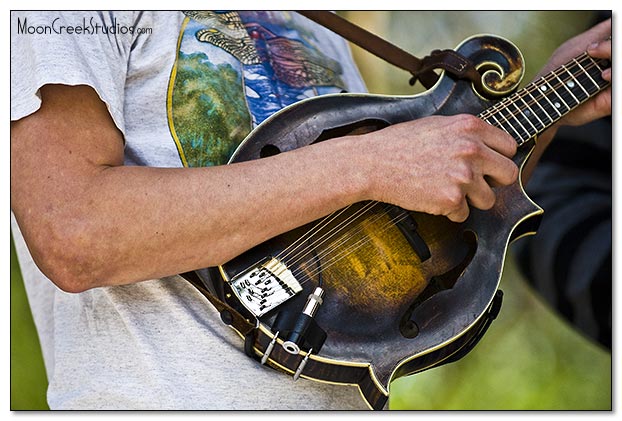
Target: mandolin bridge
265,286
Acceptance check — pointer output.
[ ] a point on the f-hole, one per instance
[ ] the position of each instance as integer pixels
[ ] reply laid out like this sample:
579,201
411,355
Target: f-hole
408,327
360,127
269,150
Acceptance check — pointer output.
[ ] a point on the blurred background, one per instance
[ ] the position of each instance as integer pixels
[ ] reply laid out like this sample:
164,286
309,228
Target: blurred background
531,358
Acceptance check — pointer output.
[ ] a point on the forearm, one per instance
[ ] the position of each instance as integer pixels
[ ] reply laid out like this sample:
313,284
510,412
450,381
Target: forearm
124,224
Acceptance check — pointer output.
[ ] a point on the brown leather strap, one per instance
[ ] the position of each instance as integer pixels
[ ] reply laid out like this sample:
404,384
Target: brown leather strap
227,313
422,70
452,62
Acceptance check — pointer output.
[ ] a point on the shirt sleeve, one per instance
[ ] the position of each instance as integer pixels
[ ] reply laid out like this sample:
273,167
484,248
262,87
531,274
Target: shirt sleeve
569,260
71,48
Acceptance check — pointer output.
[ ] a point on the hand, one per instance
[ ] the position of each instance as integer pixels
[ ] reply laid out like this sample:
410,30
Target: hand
597,42
439,165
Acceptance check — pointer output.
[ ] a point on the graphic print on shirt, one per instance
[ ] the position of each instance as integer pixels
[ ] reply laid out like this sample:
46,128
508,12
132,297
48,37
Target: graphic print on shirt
232,71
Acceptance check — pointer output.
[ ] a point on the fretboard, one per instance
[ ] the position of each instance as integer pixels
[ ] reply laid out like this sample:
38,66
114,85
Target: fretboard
538,105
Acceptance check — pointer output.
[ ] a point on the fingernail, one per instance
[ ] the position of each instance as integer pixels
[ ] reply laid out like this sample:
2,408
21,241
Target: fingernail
593,46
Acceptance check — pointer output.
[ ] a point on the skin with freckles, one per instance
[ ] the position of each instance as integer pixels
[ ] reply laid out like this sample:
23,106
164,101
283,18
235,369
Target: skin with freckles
67,165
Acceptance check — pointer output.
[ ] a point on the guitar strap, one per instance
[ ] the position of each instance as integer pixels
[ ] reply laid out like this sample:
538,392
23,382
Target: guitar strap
422,70
228,314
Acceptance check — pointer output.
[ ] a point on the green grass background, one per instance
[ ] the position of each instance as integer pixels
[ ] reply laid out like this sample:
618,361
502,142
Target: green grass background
28,379
530,358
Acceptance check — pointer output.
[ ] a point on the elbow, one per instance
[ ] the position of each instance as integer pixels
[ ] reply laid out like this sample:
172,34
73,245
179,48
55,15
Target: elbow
67,280
62,267
63,257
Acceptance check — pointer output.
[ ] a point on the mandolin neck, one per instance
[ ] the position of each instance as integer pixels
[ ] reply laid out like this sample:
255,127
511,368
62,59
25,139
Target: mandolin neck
536,107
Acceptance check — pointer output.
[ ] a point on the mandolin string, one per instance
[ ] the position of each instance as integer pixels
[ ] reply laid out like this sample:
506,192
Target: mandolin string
342,238
351,248
332,238
326,236
348,250
491,112
503,105
338,227
324,222
338,241
317,227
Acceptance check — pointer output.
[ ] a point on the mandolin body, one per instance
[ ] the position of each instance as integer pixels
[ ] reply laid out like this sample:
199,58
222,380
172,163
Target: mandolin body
408,297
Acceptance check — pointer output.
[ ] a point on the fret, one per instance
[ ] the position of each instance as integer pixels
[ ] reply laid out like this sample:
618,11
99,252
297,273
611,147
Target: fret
592,68
532,116
511,116
575,82
521,116
501,125
570,86
585,72
531,113
560,105
548,114
509,129
565,97
595,72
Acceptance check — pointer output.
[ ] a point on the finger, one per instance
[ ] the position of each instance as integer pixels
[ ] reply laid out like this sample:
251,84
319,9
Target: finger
460,213
607,74
600,105
500,170
500,141
601,49
480,195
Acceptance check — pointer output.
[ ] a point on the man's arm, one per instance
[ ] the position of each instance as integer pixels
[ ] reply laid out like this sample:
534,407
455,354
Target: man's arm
90,221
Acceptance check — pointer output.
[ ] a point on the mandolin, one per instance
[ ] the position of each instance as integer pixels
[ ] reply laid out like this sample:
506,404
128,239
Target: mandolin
374,292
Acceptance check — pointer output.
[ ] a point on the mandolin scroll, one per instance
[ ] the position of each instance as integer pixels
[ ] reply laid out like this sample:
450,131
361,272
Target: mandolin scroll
499,62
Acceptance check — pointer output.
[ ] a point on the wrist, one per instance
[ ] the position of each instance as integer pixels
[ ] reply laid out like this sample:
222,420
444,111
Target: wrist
358,166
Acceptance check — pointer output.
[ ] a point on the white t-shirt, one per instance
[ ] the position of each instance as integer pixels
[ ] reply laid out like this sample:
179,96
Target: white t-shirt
184,89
